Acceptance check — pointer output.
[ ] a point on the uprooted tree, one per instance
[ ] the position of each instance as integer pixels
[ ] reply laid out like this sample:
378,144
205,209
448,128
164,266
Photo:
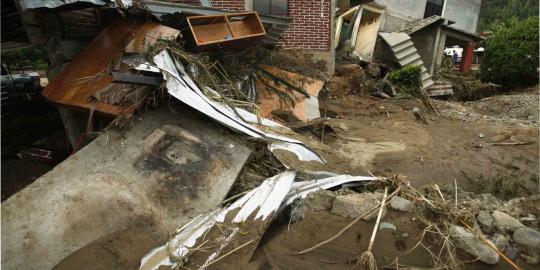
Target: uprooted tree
511,57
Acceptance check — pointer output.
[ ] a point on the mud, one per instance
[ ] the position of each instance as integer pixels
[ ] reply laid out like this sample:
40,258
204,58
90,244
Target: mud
120,250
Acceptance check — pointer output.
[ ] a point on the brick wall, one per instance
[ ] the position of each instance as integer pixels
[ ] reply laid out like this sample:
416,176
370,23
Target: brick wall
308,30
79,24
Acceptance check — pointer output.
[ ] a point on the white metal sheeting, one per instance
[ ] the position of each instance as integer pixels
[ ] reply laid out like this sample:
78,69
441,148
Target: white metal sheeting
31,4
182,87
272,196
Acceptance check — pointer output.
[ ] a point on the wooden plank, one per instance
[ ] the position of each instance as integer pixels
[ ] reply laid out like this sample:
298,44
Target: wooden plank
87,73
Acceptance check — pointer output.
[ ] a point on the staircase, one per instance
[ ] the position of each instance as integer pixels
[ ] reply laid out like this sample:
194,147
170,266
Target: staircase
406,54
440,88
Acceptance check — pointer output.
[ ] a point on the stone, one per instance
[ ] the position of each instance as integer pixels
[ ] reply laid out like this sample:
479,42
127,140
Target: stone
485,220
356,204
531,258
387,225
401,204
504,222
527,237
489,200
500,241
320,200
511,253
469,243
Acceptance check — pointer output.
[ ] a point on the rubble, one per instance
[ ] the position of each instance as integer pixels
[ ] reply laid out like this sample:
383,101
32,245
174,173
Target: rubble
527,237
468,242
251,214
200,123
485,220
504,222
402,204
354,205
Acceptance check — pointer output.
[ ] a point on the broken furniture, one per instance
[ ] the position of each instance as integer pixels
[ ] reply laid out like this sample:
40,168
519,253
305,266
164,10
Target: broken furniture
88,73
228,30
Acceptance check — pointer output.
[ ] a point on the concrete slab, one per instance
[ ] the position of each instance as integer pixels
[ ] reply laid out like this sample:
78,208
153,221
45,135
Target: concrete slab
166,169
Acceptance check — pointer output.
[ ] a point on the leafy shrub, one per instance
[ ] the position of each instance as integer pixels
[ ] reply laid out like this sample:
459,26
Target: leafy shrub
407,79
511,57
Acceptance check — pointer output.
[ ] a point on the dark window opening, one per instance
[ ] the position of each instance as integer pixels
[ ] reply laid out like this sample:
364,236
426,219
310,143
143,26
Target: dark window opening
271,7
433,7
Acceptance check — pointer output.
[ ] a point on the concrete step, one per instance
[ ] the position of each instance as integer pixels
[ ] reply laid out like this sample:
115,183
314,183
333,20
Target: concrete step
442,92
413,59
425,75
405,52
427,83
394,38
401,46
436,86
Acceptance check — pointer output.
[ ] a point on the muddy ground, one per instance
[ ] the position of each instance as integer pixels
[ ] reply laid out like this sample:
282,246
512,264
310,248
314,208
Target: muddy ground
378,136
371,135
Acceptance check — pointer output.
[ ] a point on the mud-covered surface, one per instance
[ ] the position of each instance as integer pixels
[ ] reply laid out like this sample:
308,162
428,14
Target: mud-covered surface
367,135
382,136
279,247
119,250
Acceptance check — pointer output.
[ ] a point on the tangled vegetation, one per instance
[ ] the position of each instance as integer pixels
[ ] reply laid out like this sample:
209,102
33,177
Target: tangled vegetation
407,79
511,57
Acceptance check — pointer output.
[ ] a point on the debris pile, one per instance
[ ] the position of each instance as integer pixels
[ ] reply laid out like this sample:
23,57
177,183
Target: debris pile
201,116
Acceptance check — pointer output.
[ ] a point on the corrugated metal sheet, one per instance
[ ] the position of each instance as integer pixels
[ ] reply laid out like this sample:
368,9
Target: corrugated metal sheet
32,4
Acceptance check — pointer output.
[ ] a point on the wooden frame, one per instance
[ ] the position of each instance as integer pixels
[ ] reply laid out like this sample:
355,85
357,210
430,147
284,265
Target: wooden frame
214,29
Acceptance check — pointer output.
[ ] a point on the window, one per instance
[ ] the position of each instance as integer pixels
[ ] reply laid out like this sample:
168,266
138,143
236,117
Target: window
433,7
271,7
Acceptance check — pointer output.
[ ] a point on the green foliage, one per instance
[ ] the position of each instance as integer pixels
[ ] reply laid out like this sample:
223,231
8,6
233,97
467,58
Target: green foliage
495,12
511,56
33,56
407,79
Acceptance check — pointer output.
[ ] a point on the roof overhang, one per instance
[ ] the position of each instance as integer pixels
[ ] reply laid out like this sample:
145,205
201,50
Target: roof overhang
462,34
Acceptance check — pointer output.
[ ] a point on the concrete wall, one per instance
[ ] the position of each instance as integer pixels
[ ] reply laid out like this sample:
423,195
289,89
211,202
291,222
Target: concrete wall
391,22
412,8
464,12
424,41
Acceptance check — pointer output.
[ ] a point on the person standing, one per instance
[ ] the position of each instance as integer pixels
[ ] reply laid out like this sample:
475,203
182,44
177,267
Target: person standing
454,57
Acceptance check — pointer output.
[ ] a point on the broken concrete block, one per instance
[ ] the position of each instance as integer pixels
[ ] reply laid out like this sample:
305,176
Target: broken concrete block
504,222
401,204
469,243
356,204
320,200
419,116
